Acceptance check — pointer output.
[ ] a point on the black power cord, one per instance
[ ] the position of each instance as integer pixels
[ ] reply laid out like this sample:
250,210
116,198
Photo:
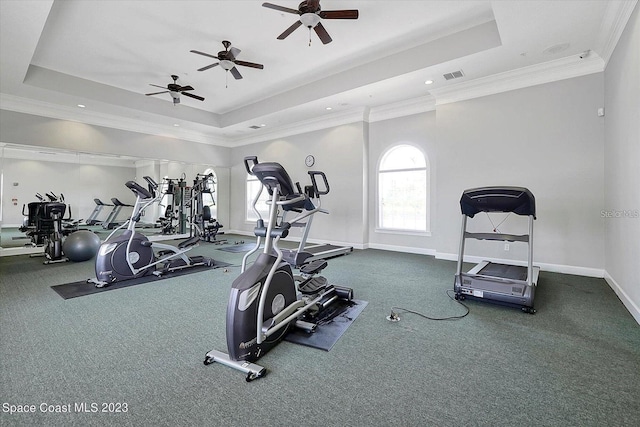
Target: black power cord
394,316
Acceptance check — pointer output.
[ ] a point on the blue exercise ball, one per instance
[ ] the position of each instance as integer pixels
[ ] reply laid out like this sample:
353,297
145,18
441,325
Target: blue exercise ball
81,245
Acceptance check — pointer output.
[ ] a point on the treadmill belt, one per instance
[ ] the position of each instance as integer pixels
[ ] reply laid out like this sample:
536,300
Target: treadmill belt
505,271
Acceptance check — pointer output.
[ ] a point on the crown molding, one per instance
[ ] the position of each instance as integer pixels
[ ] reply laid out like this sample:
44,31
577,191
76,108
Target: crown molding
547,72
404,108
326,121
62,112
614,21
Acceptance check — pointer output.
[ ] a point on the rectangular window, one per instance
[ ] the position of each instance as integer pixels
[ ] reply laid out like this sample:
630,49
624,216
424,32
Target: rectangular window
253,186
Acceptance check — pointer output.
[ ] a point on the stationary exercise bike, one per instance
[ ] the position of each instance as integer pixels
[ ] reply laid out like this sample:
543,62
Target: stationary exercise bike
267,299
131,254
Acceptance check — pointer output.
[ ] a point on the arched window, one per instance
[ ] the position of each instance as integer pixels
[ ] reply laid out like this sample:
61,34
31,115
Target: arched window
403,190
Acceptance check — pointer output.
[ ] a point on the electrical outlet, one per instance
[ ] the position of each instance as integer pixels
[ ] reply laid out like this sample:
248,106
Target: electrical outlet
506,246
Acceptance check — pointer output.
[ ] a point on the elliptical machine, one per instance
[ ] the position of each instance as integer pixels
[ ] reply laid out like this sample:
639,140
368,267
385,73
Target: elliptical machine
267,299
131,254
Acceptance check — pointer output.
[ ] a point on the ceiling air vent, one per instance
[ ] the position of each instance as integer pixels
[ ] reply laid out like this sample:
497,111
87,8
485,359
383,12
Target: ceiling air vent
254,127
453,75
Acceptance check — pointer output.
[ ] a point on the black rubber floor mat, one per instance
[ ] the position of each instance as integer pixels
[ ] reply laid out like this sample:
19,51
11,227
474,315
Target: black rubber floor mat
331,326
82,288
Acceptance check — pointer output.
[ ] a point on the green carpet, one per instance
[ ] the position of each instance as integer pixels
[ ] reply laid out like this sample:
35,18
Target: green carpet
574,363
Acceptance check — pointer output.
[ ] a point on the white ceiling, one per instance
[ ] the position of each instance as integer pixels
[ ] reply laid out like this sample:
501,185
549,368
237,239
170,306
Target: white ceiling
104,54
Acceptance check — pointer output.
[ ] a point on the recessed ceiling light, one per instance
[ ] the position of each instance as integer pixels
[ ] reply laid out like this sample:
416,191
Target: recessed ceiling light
262,125
428,82
81,105
176,125
328,108
561,47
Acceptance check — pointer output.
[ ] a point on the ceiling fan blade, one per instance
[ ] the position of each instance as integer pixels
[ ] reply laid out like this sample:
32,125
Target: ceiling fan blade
204,54
339,14
157,93
183,88
280,8
190,95
322,33
162,87
289,30
234,71
208,66
234,52
249,64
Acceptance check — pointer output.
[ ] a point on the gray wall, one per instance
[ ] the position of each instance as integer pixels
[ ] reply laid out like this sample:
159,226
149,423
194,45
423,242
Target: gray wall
547,138
38,131
339,152
418,130
28,129
622,174
77,182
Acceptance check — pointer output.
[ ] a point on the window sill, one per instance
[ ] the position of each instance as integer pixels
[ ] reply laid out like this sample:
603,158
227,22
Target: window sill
403,232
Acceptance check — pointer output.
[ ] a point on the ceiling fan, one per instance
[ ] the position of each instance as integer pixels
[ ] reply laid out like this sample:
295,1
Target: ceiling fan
228,61
310,16
175,90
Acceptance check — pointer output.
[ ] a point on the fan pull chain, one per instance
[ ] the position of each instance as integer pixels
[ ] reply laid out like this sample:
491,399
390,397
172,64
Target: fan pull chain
309,36
226,80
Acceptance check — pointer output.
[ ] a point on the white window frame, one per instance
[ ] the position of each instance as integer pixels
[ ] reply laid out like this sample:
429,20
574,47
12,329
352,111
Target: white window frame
378,208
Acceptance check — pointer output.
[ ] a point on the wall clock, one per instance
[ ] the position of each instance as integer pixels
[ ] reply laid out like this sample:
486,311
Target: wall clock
309,160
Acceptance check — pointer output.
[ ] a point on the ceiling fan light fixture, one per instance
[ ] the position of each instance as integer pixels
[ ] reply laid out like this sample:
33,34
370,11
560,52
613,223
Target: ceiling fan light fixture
309,20
226,64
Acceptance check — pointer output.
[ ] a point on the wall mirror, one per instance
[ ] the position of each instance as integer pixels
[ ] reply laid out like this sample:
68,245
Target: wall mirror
83,180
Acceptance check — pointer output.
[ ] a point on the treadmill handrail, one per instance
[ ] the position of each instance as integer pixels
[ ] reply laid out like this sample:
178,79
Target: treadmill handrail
498,236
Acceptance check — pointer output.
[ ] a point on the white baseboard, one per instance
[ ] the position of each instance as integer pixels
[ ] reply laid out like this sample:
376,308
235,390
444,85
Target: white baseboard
407,249
628,303
554,268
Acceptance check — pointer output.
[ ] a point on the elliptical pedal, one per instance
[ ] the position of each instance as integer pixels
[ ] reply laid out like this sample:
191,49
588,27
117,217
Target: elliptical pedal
313,285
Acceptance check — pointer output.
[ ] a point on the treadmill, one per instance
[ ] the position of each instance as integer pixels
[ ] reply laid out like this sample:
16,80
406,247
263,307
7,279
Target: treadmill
93,218
112,220
505,284
304,253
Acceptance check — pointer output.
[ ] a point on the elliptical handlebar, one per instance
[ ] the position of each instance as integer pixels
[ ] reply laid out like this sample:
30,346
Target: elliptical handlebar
253,160
151,182
139,190
317,191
